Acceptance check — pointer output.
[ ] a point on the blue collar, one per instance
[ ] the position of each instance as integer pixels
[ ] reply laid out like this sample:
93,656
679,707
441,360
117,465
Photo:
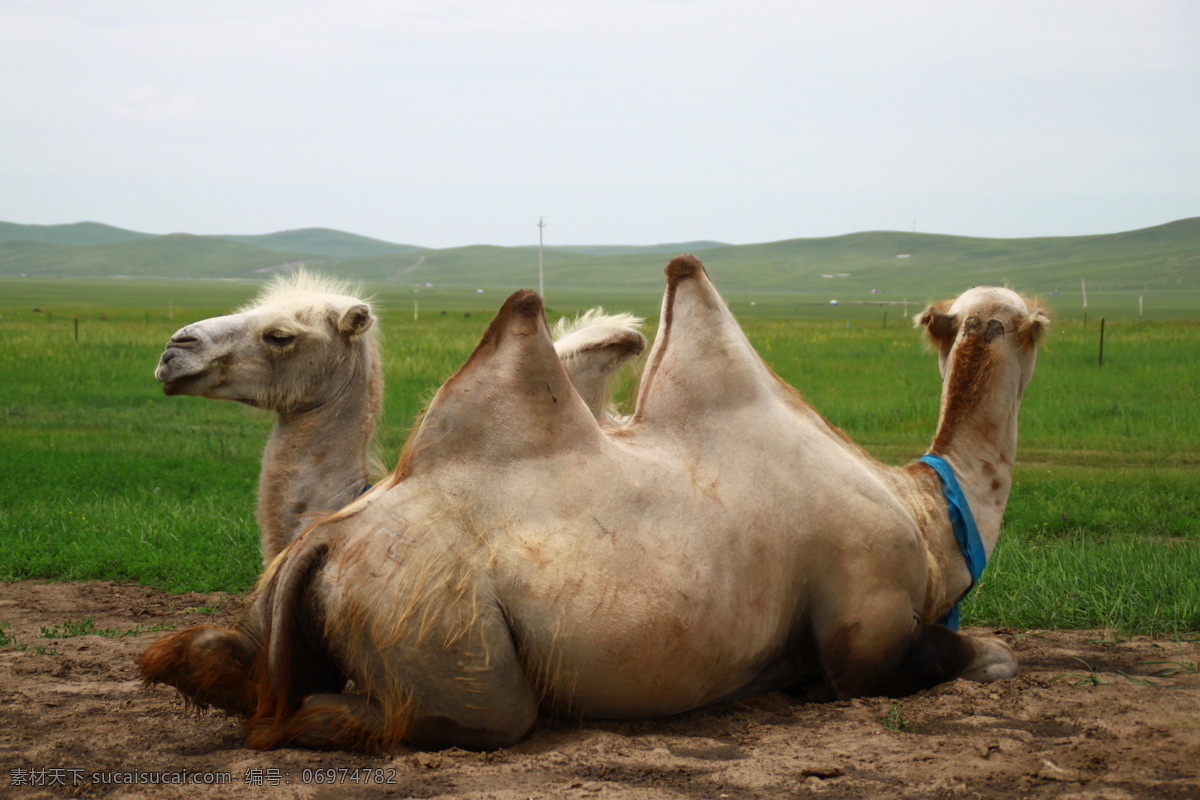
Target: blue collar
964,530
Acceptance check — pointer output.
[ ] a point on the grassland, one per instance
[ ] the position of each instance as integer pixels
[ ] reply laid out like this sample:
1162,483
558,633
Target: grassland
104,477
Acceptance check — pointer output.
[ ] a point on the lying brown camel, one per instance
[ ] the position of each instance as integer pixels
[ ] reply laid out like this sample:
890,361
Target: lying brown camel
307,349
728,540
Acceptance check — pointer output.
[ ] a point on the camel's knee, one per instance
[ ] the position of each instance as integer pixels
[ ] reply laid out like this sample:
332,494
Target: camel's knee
210,666
994,661
328,722
937,655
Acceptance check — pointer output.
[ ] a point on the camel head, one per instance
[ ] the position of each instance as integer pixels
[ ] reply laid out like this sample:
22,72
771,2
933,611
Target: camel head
284,352
592,347
986,340
987,315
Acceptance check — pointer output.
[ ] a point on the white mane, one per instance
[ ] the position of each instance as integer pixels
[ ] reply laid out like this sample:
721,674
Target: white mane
595,316
303,282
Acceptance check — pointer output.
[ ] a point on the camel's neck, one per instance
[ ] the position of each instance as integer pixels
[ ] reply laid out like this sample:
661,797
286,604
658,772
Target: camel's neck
317,459
980,443
977,436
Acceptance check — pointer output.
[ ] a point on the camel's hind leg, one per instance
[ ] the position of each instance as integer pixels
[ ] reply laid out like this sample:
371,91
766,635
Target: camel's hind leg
470,692
325,722
210,666
358,722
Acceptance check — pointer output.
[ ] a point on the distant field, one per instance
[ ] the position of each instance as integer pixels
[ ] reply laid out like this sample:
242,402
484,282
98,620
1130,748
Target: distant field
104,477
204,297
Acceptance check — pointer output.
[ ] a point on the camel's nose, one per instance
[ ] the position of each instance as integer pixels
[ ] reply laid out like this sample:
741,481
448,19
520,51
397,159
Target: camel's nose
184,337
185,346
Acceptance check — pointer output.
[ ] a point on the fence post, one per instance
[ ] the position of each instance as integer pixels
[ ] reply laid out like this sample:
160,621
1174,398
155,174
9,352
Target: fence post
1102,341
76,330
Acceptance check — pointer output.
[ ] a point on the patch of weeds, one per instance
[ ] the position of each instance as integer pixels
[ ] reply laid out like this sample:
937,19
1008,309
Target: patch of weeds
70,628
200,610
1134,679
9,640
1167,668
1083,680
87,627
894,719
44,651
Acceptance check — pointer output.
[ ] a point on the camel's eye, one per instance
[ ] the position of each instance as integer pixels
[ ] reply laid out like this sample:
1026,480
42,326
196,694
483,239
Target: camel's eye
279,338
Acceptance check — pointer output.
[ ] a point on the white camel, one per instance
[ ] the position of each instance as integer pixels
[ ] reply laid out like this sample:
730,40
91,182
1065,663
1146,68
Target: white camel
307,349
726,541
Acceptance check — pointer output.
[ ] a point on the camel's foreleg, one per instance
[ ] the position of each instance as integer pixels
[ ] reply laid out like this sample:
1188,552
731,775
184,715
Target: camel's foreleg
210,666
863,643
938,654
933,655
882,650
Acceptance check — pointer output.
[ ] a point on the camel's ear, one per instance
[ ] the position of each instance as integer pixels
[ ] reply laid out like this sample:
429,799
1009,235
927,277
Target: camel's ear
511,400
1031,329
355,321
938,324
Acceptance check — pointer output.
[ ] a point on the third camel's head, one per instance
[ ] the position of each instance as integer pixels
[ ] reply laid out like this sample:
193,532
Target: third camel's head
987,323
289,350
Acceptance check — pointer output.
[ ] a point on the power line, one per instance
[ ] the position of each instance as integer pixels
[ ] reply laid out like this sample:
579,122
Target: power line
541,285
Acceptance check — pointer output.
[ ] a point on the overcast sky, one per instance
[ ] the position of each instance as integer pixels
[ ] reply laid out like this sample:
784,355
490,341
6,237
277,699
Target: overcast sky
453,123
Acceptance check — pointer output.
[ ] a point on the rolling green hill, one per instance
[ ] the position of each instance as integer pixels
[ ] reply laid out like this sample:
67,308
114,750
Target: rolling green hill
178,255
75,233
1162,258
323,242
671,249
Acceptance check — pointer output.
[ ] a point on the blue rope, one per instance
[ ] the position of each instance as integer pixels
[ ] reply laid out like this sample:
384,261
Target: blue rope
965,531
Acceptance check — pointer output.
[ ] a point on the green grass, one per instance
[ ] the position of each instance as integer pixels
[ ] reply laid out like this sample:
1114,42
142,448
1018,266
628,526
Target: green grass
105,478
87,627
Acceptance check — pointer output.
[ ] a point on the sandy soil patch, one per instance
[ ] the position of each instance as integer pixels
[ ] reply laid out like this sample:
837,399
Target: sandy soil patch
1090,716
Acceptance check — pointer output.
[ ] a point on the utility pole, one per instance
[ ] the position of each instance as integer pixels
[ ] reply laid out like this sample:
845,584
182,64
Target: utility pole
541,284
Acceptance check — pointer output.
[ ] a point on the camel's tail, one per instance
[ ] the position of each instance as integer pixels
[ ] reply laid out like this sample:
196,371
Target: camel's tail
293,661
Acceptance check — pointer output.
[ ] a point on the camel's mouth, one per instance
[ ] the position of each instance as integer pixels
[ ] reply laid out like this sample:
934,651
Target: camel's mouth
176,386
201,386
191,383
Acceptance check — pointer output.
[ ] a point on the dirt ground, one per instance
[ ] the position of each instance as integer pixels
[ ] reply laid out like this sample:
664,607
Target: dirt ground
1090,716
